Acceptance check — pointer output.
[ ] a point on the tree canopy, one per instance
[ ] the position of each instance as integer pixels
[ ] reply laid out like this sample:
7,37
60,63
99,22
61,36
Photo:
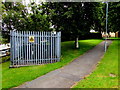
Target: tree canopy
72,18
114,16
16,16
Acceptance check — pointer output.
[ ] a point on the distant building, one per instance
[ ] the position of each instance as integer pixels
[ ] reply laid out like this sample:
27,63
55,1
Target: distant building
117,34
111,34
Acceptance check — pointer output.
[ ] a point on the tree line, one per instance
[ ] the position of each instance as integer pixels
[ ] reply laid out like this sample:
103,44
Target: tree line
72,18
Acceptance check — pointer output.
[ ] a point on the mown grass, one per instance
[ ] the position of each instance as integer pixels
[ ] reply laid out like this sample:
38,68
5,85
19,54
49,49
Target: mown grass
114,38
106,73
12,77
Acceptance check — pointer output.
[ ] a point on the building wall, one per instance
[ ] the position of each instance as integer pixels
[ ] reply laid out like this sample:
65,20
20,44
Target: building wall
112,34
117,34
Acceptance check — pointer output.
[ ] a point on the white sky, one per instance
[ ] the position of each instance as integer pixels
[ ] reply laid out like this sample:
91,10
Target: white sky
26,2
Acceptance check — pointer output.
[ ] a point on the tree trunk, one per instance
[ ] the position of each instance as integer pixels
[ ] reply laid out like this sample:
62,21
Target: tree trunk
76,43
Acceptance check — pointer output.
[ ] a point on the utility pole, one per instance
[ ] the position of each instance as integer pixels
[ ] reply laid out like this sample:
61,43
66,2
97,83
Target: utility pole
106,26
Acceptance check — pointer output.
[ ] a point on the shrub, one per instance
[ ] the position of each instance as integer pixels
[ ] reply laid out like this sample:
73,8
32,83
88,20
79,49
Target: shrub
4,59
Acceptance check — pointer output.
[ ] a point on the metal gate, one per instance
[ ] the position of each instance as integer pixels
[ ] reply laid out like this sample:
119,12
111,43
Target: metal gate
34,47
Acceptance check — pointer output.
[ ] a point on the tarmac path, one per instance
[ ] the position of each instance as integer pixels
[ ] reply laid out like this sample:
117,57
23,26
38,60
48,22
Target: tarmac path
68,75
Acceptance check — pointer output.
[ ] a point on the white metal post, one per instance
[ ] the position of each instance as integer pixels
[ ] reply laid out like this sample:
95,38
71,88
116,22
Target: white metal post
106,26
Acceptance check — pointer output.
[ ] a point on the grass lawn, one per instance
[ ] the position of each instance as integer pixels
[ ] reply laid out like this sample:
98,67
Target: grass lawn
106,73
15,76
114,38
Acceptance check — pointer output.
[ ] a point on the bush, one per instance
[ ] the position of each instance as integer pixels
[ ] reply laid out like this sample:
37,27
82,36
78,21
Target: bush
94,36
3,40
4,59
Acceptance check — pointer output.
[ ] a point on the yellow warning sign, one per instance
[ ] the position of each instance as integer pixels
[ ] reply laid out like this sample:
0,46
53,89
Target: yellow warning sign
31,38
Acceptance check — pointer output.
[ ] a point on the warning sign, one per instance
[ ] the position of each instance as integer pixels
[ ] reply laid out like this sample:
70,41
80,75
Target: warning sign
31,38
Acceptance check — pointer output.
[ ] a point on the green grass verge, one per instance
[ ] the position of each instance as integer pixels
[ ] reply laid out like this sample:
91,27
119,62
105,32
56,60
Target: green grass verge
114,38
106,73
12,77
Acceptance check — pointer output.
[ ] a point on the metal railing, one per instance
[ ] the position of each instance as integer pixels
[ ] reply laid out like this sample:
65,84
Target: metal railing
34,48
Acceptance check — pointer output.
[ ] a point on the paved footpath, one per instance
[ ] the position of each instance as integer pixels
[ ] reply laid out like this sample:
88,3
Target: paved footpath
68,75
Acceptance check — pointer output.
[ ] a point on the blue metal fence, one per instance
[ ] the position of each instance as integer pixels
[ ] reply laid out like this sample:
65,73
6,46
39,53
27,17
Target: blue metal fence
34,48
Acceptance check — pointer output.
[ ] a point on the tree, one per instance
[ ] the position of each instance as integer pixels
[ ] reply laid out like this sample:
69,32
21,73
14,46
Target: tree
13,18
39,21
16,16
114,16
99,17
74,18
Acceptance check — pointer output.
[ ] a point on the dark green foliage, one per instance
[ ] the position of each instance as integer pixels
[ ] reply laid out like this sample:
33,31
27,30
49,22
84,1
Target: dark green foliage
71,17
16,16
99,17
74,19
4,59
114,16
81,36
91,36
3,40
